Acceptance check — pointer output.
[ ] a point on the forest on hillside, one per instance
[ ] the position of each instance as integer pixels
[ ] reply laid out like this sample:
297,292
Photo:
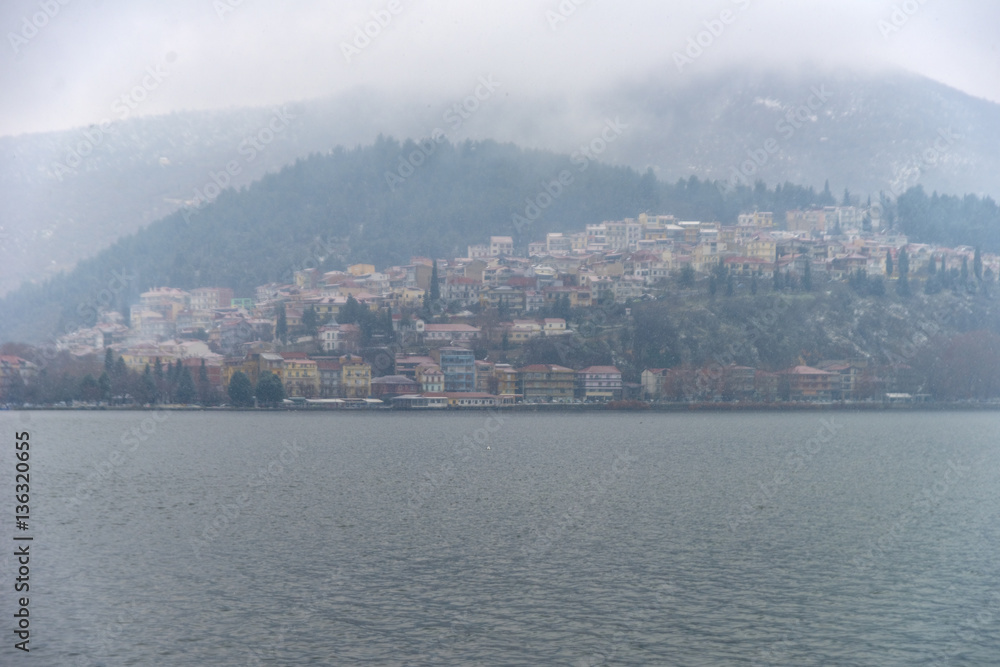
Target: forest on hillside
386,202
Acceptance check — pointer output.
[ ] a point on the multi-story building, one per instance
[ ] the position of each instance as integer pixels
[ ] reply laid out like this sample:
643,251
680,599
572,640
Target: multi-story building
501,246
623,235
459,367
388,386
329,377
210,298
506,380
758,219
541,383
448,333
167,301
599,383
430,377
302,378
485,382
356,377
803,383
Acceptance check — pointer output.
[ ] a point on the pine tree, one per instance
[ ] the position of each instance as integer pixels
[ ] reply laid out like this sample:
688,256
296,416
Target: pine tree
281,323
240,390
203,385
903,284
435,287
186,391
104,383
270,391
310,322
888,263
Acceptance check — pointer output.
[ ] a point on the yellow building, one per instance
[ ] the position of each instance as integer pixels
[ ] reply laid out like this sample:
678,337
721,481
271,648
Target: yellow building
761,247
358,270
301,377
356,377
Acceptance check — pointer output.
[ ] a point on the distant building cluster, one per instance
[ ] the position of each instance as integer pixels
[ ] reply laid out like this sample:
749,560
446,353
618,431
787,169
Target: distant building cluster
437,312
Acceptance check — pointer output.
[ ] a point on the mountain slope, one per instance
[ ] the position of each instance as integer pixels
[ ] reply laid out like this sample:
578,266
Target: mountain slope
330,210
871,135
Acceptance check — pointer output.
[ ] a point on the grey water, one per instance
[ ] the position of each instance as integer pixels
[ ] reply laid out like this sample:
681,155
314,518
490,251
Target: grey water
818,538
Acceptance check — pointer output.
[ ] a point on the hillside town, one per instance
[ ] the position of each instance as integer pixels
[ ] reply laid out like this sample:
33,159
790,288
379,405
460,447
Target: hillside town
438,332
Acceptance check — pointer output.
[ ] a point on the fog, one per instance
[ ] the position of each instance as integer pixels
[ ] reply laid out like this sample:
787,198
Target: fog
68,63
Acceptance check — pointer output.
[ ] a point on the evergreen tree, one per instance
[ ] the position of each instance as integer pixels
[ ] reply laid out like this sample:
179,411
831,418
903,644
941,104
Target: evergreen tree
310,322
847,198
753,284
104,384
730,285
888,263
186,391
712,286
89,389
281,323
686,278
109,361
147,387
17,392
776,276
903,284
965,270
240,390
204,386
435,287
351,312
932,266
270,391
977,265
807,283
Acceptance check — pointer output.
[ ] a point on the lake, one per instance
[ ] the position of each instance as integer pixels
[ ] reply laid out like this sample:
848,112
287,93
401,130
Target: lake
236,538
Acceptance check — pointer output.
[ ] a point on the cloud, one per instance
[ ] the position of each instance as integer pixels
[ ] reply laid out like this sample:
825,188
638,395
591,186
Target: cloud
88,53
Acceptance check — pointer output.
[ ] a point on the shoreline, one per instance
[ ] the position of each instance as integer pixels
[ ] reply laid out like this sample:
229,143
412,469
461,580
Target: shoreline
556,407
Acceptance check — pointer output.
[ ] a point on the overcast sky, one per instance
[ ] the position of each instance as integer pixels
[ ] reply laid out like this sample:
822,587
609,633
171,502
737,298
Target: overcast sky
92,59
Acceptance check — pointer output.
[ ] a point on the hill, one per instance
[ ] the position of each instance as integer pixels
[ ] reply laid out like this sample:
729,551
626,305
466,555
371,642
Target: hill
66,195
362,205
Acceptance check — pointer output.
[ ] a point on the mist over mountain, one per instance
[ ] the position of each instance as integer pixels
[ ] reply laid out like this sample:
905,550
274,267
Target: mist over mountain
66,195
